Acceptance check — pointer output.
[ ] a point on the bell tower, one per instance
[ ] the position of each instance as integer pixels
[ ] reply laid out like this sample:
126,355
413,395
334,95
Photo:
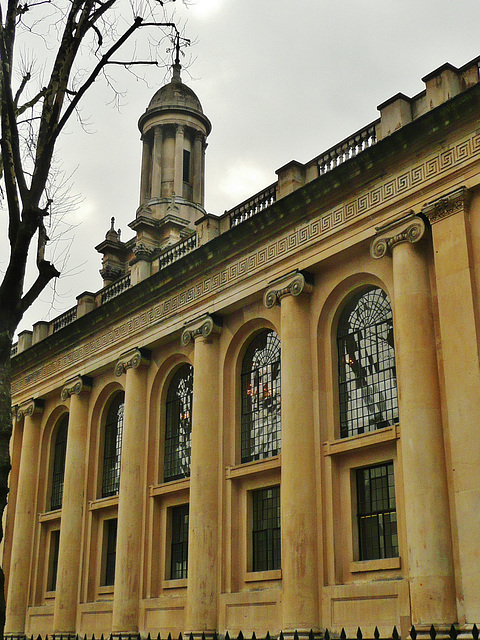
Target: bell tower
173,131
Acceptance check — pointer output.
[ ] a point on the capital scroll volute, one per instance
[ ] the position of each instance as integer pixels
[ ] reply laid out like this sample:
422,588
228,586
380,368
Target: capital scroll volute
132,359
410,228
29,408
75,386
203,326
292,284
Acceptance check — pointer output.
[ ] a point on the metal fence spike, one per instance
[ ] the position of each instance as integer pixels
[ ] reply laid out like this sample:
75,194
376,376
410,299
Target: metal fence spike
395,635
433,633
359,634
475,632
343,635
413,633
376,633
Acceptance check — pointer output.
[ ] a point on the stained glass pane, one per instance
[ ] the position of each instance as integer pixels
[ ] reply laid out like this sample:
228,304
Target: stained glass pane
178,426
261,398
366,364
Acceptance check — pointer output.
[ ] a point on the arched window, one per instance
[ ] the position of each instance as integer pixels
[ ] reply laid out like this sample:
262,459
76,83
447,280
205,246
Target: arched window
60,449
113,446
261,398
366,364
178,427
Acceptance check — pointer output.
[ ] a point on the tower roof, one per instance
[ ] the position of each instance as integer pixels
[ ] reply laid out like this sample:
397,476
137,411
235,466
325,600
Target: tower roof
175,96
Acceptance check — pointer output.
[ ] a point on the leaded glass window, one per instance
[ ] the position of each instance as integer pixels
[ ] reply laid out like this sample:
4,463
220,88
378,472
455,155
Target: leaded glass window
53,560
179,548
261,398
110,542
113,446
377,514
266,540
58,474
366,364
178,426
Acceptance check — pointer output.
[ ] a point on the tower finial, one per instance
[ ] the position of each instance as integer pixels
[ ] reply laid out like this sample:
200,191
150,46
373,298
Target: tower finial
176,65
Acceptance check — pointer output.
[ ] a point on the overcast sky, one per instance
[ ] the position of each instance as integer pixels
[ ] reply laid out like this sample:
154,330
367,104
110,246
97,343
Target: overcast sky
279,80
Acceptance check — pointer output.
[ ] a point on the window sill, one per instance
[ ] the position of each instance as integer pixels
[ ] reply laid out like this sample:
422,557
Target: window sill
387,434
382,564
257,576
181,583
102,503
170,487
50,515
106,589
248,468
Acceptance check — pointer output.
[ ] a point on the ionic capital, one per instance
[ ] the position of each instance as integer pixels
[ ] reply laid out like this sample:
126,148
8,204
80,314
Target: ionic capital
132,360
411,229
180,129
203,326
75,386
30,407
447,205
293,284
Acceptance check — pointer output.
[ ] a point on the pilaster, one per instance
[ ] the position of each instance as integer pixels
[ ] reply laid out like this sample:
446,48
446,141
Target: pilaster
203,562
459,332
298,490
145,178
76,391
430,566
178,175
156,191
126,597
17,598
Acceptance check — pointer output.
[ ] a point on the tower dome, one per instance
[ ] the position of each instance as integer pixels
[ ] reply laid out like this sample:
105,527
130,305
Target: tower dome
174,131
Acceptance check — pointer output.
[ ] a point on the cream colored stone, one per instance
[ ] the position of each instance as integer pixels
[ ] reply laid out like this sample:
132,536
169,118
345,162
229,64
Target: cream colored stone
415,201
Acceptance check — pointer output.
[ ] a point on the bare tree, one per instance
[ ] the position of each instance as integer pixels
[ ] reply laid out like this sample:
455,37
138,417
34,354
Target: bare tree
80,38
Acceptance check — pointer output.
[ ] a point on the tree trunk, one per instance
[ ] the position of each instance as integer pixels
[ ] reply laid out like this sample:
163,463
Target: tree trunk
5,435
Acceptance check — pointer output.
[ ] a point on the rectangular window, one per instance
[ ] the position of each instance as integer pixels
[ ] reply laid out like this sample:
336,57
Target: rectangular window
266,529
53,560
376,512
179,549
186,165
110,542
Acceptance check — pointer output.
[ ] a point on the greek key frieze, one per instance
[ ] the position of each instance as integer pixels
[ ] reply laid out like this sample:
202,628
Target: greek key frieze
323,225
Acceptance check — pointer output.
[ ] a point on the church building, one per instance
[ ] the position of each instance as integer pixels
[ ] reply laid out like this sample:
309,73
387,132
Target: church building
266,420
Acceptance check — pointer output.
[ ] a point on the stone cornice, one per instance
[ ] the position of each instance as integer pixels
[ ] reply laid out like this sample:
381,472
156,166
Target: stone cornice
293,284
28,408
75,386
291,224
132,360
410,228
447,205
203,326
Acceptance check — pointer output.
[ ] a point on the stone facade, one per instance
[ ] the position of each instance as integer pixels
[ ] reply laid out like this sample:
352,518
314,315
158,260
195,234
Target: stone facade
273,414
